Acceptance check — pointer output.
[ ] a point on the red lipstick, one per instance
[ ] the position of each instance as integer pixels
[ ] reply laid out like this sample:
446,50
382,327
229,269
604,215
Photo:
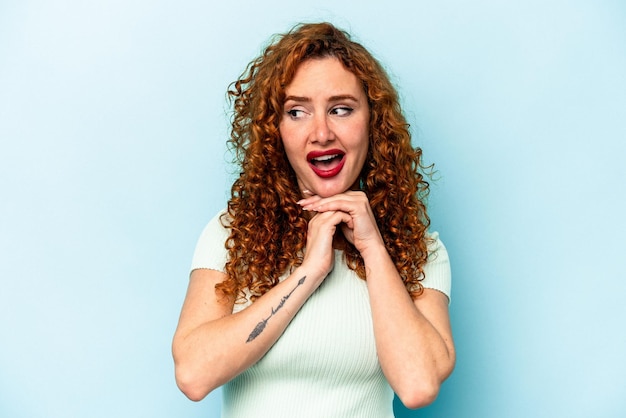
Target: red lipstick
326,163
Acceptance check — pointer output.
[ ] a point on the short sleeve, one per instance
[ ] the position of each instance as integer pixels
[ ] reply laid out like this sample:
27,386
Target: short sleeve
210,252
437,273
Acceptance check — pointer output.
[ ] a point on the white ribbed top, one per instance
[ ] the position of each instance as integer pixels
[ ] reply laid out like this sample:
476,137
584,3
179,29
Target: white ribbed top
325,363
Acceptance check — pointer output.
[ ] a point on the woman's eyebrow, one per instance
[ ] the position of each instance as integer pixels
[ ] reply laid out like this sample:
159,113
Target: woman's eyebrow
297,99
330,99
342,97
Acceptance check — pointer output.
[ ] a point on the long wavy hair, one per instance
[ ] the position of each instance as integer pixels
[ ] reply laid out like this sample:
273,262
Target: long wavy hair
267,227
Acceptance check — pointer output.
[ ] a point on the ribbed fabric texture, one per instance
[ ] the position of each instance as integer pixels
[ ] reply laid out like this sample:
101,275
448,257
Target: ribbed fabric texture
325,363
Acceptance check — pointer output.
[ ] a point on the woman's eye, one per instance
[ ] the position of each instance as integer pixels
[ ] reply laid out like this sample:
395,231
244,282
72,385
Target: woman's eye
295,113
341,111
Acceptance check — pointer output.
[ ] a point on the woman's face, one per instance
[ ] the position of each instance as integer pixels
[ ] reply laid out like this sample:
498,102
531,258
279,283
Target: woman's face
325,127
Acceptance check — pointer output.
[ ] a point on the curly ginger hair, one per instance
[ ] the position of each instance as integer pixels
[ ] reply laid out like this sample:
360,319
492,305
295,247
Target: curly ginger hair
267,227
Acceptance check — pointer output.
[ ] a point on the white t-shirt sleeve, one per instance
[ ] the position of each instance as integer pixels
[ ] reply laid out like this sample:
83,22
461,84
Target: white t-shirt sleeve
437,273
210,252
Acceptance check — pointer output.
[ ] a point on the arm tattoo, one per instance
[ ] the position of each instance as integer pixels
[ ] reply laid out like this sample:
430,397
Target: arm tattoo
261,325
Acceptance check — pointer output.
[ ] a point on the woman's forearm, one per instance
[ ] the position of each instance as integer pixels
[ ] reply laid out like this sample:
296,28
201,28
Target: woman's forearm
413,338
209,352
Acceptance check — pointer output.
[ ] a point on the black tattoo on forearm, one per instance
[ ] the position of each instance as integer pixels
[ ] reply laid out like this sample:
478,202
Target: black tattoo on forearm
261,325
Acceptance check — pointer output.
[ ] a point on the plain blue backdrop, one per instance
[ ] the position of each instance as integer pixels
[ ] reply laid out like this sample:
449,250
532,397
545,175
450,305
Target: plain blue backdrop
113,121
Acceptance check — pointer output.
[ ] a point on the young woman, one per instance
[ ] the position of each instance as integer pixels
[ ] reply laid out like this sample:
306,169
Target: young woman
318,292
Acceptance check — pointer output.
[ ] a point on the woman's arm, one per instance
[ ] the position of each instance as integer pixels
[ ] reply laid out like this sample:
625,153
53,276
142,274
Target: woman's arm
413,338
211,345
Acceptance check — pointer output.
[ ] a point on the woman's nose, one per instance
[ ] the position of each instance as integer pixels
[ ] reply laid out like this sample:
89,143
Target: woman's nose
322,131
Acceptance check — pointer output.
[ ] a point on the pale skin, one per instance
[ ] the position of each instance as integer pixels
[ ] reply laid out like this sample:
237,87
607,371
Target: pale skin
326,108
413,337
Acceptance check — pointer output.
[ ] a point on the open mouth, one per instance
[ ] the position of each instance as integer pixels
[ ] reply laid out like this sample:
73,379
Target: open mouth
326,163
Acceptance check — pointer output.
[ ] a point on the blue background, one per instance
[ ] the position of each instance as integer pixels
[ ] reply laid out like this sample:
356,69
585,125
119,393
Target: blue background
112,126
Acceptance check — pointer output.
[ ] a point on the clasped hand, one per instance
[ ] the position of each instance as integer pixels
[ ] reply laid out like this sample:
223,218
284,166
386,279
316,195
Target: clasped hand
351,211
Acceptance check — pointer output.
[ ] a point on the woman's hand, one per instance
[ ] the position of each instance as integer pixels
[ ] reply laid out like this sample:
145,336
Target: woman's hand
357,221
413,337
319,243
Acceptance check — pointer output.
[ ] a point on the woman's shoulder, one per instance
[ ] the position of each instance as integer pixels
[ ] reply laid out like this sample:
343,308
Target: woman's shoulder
210,249
437,272
434,243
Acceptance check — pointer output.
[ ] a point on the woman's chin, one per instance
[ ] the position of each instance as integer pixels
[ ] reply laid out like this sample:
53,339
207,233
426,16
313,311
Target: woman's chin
328,190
